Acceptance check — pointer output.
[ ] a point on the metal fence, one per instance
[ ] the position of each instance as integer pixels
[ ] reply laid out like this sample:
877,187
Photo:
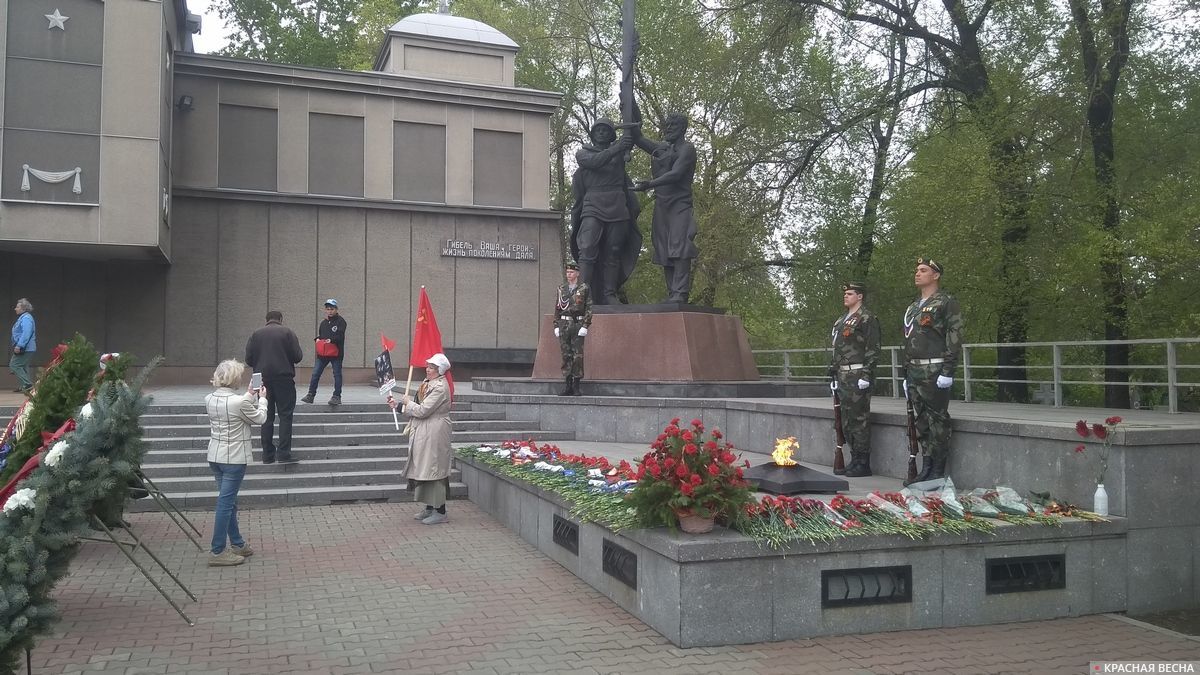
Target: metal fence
1060,373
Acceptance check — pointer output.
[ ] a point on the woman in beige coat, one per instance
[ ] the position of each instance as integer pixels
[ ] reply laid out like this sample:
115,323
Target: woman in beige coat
428,468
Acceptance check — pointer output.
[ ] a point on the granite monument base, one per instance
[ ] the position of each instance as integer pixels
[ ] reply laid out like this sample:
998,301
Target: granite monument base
794,480
659,346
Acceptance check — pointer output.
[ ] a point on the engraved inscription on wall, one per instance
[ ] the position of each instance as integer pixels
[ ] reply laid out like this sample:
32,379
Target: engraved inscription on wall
494,250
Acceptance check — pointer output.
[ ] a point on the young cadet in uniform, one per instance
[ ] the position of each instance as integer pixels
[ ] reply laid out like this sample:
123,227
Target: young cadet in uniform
933,327
572,316
855,354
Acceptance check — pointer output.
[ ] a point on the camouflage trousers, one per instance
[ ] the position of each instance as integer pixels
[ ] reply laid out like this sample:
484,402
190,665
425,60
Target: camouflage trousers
931,408
571,345
856,411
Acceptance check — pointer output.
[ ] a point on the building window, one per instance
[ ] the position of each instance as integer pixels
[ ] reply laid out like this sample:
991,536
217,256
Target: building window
248,148
499,168
419,162
335,155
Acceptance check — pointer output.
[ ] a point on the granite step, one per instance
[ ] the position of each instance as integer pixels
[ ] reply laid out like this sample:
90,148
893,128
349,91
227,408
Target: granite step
310,463
198,456
259,477
201,418
352,440
301,427
293,496
197,408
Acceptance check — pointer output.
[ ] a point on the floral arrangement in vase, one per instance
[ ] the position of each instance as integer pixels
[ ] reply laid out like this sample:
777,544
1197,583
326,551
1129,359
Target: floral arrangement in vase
689,478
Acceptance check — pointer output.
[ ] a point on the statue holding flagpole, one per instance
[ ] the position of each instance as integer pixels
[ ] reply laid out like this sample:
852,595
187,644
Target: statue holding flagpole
605,240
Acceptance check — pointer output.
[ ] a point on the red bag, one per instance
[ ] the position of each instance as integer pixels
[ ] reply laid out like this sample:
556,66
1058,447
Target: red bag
326,349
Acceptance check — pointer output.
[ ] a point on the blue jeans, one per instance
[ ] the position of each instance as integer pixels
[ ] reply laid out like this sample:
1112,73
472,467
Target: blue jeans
229,479
319,369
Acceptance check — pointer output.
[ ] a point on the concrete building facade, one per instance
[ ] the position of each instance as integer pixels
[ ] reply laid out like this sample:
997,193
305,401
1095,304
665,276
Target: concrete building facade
212,189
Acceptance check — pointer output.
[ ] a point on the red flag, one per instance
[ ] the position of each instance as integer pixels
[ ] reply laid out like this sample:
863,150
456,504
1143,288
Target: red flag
388,345
427,339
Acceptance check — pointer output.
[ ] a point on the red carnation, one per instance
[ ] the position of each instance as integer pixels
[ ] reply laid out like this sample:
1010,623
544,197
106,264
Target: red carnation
714,470
1113,421
738,473
1100,430
698,424
691,449
669,463
687,436
710,446
675,422
686,489
696,479
1081,428
681,470
1080,448
716,433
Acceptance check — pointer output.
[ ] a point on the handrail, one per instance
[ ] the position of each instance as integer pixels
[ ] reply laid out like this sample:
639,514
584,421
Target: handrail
810,364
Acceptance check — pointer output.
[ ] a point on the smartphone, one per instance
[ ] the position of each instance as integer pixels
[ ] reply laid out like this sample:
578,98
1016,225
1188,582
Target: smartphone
256,381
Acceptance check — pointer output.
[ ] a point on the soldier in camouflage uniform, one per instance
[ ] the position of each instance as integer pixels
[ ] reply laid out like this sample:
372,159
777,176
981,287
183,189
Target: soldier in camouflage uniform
933,327
855,354
572,316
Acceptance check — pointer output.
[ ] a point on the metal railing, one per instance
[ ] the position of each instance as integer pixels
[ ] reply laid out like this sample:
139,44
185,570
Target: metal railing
1058,369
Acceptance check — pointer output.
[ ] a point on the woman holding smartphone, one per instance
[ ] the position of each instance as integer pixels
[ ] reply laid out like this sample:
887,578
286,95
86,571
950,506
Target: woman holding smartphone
232,418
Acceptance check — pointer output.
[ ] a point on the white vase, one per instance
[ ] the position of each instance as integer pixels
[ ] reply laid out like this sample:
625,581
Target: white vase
1100,501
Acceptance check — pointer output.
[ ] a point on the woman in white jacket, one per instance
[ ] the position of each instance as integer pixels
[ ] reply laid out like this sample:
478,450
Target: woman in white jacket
233,419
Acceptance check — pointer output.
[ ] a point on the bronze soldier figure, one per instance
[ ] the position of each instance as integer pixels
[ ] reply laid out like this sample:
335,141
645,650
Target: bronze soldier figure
673,168
604,237
855,355
572,317
933,326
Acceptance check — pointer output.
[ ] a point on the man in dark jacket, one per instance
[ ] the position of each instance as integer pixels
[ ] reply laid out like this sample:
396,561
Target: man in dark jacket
274,351
331,341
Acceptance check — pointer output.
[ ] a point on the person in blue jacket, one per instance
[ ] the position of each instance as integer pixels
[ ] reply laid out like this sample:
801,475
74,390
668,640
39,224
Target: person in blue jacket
24,344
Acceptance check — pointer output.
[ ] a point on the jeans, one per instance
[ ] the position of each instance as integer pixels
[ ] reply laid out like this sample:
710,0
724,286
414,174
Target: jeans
319,369
19,365
281,400
225,526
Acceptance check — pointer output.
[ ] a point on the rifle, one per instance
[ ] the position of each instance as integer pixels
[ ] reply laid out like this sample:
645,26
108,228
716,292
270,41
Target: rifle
839,461
913,446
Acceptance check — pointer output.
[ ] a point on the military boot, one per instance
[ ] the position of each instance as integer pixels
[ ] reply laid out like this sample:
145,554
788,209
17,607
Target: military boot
939,469
612,270
926,469
568,387
860,466
575,390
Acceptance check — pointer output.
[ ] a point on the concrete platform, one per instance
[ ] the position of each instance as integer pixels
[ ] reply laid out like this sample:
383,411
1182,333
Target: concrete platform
724,588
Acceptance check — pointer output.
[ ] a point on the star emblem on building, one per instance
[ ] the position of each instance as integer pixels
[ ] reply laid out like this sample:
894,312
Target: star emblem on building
57,20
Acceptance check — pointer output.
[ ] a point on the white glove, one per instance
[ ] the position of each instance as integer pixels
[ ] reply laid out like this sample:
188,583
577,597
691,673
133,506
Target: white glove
582,331
944,382
863,384
833,385
556,332
904,385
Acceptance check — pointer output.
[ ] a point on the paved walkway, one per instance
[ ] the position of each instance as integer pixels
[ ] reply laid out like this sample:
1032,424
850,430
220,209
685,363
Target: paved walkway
364,589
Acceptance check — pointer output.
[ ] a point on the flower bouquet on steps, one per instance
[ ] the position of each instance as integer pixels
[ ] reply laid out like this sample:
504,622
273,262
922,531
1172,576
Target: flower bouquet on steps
689,480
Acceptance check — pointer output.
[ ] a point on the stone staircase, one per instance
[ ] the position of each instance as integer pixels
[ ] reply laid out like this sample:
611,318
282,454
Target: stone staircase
351,453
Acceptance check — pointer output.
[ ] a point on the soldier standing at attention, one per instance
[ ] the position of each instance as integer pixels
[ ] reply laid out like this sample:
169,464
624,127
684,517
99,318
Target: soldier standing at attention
933,327
572,316
855,354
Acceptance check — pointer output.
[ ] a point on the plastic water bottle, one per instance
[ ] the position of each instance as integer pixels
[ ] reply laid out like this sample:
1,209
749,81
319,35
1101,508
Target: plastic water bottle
1100,501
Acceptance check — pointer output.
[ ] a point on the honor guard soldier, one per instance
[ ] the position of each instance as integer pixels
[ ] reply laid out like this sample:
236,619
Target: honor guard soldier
933,326
852,370
572,316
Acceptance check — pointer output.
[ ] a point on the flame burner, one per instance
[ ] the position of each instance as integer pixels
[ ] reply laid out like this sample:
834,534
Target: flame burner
784,449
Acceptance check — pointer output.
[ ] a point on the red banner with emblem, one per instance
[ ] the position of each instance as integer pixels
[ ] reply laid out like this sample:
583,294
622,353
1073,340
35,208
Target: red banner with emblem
427,339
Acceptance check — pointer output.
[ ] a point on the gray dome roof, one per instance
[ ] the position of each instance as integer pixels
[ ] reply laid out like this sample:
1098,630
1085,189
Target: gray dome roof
448,27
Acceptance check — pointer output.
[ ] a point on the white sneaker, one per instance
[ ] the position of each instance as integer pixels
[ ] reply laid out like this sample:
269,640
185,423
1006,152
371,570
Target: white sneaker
435,519
423,514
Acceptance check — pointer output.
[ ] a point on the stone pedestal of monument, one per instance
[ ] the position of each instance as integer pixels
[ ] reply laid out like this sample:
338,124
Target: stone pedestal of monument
655,343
